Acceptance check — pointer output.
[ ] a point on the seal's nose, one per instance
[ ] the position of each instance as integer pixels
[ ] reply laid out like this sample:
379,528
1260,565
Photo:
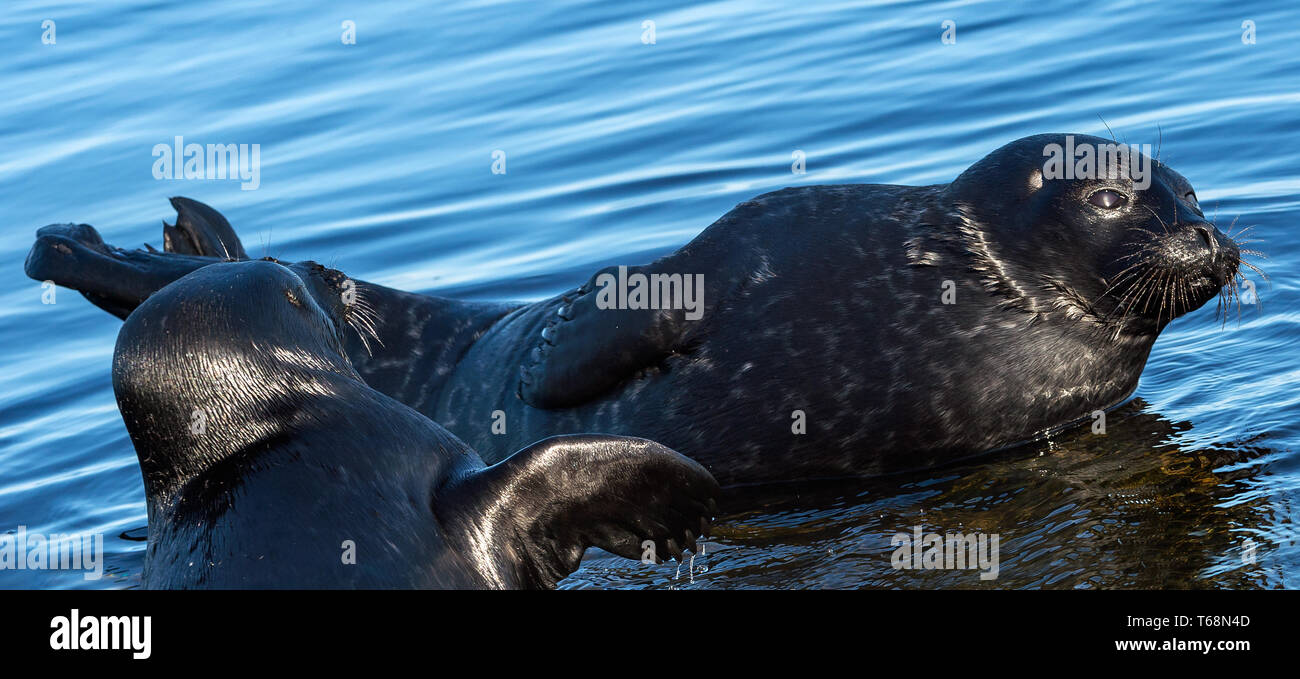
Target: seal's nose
1208,239
1207,242
1214,249
1199,245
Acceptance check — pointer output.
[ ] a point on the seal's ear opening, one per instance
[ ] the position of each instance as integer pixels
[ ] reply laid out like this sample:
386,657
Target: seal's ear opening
546,504
1035,180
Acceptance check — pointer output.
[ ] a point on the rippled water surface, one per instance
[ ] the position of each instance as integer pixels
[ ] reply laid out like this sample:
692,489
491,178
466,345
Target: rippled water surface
375,158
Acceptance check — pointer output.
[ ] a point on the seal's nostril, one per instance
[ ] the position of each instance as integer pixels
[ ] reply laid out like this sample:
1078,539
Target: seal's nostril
1206,238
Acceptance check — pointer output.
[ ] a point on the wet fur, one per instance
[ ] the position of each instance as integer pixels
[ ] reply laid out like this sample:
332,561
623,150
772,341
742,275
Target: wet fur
825,300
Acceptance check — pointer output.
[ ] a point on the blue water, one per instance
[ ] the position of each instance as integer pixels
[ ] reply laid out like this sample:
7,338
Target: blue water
376,159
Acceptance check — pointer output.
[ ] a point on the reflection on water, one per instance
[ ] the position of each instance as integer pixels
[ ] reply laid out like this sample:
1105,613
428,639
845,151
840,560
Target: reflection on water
1124,509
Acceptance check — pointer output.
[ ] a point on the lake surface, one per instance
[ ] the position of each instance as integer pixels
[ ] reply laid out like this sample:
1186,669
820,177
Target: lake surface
376,158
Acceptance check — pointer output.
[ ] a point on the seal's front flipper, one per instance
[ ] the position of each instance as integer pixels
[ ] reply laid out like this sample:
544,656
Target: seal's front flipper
605,331
201,230
529,518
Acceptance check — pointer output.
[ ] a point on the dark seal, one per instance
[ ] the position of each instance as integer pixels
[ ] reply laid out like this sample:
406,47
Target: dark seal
821,342
268,462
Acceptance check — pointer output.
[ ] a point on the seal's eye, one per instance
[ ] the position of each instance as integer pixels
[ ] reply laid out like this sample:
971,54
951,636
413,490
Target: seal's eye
1191,196
1107,199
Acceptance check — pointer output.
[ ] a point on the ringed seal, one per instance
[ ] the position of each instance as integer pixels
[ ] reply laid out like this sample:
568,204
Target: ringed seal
822,306
266,458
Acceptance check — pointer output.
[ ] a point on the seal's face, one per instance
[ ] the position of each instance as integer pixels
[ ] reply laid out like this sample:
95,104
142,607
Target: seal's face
1121,241
339,297
230,349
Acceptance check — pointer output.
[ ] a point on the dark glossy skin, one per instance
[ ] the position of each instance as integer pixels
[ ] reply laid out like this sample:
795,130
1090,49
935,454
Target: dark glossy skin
263,452
826,300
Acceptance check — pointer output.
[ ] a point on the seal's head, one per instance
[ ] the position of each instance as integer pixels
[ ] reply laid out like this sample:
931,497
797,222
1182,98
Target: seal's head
1094,229
223,358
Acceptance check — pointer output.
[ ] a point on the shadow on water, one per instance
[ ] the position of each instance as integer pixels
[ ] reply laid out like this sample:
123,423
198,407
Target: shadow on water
1127,509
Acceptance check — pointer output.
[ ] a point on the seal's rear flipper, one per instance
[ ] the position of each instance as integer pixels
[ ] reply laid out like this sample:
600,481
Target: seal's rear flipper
534,514
201,230
117,280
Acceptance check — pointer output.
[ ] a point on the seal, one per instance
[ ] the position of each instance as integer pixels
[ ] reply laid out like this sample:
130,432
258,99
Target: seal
812,332
268,462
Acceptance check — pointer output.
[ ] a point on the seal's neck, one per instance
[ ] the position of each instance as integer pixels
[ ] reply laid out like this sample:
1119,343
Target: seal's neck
1080,368
187,417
